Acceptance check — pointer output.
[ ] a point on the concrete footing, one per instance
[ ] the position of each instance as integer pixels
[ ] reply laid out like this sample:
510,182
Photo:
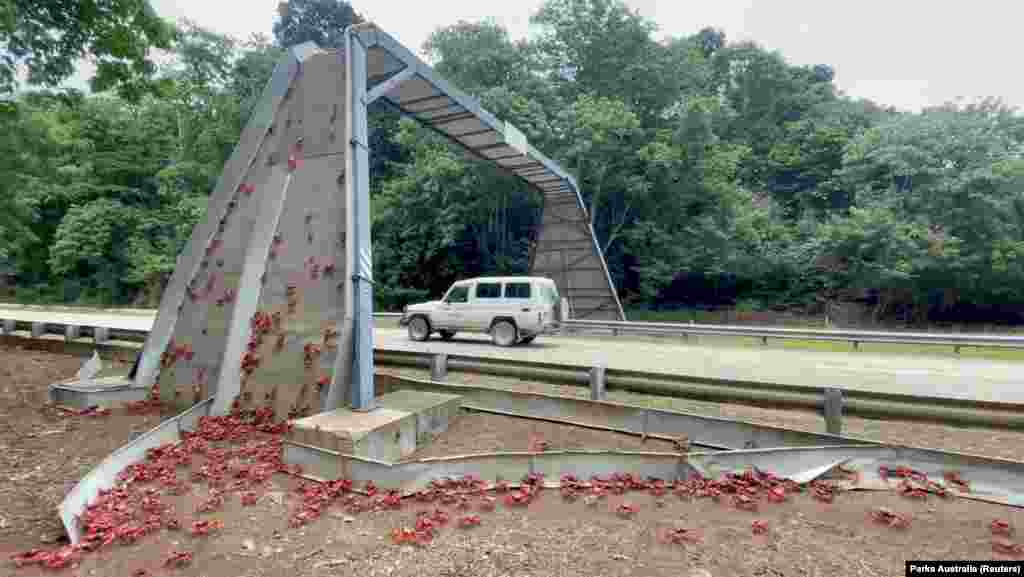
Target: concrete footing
433,411
402,422
106,392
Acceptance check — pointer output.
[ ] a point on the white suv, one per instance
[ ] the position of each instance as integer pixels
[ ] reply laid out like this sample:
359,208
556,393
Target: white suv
511,309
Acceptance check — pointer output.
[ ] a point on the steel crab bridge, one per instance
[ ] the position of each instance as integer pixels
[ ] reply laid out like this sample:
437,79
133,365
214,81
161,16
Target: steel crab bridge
270,307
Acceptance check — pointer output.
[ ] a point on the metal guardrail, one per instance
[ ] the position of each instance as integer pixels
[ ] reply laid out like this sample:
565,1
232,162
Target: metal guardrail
831,402
99,335
855,337
627,328
956,340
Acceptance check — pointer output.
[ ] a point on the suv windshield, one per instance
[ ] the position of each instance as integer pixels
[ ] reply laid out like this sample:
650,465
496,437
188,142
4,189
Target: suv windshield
457,294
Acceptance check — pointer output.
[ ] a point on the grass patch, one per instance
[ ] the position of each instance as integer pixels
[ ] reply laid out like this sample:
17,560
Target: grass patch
708,317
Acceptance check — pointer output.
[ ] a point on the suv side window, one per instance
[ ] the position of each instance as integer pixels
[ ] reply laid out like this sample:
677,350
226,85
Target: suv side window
517,290
458,294
488,290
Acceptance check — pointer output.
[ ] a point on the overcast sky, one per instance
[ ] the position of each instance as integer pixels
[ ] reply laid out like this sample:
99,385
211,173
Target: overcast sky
904,53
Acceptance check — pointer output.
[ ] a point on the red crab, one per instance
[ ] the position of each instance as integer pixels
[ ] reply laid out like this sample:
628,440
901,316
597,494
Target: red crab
178,559
680,536
1001,527
886,516
744,502
627,510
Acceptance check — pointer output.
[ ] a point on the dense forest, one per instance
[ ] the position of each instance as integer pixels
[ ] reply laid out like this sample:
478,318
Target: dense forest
716,172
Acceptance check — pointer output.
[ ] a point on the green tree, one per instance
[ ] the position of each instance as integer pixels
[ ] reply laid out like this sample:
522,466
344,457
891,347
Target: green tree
604,49
319,21
477,56
955,176
688,222
49,37
602,140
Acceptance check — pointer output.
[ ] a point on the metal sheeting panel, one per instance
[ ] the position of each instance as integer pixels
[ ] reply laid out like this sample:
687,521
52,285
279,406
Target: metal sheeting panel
302,293
711,432
245,154
277,247
566,252
104,476
991,480
195,358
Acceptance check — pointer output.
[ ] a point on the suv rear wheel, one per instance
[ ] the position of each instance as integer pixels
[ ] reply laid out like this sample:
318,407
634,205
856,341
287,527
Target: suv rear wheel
504,334
419,329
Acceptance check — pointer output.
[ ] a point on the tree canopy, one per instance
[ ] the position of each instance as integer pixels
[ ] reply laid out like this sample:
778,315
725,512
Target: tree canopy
715,172
49,37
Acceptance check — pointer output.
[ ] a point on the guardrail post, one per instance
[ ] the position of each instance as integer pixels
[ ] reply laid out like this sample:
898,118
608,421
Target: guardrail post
834,411
597,383
9,326
764,341
72,332
856,345
439,367
38,329
100,335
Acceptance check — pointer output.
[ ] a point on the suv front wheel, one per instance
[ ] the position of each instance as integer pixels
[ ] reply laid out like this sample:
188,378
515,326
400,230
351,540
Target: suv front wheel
419,329
504,334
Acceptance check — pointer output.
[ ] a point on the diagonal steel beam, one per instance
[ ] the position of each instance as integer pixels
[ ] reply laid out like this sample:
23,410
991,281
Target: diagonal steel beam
389,85
248,300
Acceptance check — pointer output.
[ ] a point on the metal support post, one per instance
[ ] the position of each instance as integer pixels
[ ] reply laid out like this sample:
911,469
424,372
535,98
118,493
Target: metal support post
9,326
834,411
359,263
38,329
563,314
439,367
100,335
72,332
597,383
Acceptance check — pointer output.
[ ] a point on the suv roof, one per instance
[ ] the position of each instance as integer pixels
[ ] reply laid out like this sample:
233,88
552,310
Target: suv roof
504,279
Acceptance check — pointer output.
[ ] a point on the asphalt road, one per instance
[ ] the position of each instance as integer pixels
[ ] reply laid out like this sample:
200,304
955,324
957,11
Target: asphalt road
916,375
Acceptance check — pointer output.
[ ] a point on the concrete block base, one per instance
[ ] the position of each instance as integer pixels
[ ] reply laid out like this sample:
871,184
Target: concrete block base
104,392
402,422
433,411
381,434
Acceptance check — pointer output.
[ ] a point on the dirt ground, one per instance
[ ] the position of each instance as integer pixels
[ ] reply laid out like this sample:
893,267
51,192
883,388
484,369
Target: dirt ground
549,537
44,451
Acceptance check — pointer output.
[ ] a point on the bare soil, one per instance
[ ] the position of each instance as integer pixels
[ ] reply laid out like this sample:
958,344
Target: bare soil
549,537
44,450
486,433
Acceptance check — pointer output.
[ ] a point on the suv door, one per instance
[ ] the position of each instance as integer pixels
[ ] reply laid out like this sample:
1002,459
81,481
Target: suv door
487,304
519,297
454,307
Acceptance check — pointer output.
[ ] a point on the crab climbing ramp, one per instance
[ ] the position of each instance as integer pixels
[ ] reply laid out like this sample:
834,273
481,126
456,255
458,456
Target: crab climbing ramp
566,251
256,300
